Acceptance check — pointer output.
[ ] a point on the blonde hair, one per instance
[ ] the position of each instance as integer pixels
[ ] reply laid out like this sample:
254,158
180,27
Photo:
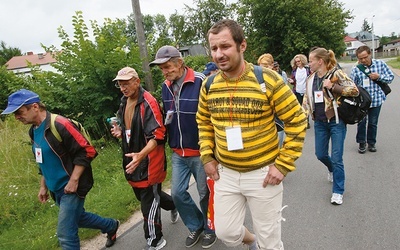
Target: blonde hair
303,60
266,59
328,56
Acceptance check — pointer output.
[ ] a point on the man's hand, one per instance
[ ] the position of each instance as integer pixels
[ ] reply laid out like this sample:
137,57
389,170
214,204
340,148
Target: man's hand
43,195
374,76
136,159
116,130
71,186
211,169
274,176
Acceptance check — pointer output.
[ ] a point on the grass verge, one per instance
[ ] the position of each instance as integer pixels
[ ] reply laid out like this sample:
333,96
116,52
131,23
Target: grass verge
25,223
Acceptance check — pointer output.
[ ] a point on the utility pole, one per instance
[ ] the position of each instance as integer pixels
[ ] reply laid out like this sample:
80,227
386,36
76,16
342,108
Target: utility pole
142,45
373,38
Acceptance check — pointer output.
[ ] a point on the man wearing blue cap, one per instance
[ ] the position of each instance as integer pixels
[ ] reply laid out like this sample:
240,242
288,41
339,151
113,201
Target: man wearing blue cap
180,95
211,68
65,168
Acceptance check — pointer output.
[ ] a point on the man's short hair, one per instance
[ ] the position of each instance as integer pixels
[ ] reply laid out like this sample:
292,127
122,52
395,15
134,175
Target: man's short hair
363,48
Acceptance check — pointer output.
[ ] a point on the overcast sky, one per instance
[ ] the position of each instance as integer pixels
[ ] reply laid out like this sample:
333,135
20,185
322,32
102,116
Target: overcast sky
26,24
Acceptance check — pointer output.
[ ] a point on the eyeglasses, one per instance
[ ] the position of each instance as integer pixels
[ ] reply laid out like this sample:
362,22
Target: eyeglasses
297,61
125,85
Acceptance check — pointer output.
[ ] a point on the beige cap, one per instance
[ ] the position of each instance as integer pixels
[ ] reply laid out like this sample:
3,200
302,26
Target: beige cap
126,73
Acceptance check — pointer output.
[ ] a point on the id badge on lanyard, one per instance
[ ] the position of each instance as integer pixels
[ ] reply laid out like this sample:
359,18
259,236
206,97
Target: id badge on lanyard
234,138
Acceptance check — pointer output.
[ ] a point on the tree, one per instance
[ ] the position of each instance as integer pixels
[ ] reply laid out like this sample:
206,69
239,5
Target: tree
286,28
6,53
199,19
84,89
365,26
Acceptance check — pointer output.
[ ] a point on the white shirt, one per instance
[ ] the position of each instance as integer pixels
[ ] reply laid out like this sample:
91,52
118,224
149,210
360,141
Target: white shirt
301,76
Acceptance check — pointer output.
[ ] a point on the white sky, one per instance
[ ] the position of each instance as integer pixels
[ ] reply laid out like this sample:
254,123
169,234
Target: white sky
27,23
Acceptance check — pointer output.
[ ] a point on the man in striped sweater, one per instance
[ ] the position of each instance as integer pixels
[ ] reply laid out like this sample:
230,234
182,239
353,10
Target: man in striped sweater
239,141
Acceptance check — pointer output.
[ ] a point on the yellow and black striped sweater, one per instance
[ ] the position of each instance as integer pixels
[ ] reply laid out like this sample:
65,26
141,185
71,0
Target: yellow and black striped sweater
246,103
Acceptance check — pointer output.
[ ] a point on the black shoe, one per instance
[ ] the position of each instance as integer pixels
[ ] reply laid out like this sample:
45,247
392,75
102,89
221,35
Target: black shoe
208,240
371,148
193,238
112,236
174,216
362,148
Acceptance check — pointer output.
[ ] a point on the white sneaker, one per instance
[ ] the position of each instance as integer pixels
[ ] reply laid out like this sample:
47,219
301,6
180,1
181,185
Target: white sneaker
330,177
337,199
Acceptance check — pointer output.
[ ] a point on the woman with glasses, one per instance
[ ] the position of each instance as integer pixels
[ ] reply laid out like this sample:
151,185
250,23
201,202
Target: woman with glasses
299,76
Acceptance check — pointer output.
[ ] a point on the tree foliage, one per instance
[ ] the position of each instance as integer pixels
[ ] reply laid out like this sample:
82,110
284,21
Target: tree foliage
365,26
7,52
286,28
88,63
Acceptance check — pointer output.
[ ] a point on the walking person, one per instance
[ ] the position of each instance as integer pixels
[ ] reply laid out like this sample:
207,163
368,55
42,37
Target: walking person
239,141
180,95
373,71
65,168
328,127
300,72
144,163
211,68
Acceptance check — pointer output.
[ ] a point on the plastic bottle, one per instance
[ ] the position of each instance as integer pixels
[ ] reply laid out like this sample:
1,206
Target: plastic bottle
111,121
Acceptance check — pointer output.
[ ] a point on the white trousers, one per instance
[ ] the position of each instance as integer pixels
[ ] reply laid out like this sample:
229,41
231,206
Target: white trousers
232,191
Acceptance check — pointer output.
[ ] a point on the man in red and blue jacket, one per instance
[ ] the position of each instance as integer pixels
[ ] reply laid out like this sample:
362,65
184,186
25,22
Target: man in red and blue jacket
180,94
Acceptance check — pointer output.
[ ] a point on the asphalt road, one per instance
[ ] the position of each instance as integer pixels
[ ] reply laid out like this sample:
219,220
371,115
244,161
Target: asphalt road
368,219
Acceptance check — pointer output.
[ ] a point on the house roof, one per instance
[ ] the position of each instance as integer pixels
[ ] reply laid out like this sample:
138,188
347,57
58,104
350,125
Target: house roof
18,62
349,39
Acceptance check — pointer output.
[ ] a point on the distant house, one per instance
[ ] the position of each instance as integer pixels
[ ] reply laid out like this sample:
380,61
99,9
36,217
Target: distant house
366,37
193,50
351,45
392,48
20,64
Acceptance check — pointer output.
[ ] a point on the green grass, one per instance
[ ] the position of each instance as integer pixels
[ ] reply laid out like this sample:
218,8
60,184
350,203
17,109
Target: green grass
395,63
25,223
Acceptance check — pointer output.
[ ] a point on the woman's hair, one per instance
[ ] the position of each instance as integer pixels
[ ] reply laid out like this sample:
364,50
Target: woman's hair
328,56
266,59
235,29
302,58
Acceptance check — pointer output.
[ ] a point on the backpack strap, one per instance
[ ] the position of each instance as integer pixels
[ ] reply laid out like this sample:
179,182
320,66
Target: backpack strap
210,80
53,128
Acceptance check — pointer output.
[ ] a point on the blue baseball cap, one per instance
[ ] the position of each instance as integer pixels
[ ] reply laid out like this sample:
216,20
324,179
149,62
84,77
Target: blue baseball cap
210,67
20,98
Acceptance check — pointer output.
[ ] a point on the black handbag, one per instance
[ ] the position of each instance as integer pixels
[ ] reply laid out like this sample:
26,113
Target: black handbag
385,87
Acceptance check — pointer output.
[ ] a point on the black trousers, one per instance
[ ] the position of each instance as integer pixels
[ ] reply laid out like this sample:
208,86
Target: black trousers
152,199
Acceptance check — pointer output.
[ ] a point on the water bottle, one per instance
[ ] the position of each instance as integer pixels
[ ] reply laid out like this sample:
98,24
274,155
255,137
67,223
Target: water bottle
111,121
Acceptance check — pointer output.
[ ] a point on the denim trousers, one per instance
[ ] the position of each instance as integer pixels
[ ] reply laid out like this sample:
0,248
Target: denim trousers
72,215
234,191
336,133
368,127
182,169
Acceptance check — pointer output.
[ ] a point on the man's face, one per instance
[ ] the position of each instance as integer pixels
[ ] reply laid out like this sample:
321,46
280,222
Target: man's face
225,53
364,58
172,70
130,88
27,113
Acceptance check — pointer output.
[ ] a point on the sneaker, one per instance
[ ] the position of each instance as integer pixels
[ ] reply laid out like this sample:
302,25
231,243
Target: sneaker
371,148
193,238
174,216
362,149
337,199
112,236
330,176
161,244
208,240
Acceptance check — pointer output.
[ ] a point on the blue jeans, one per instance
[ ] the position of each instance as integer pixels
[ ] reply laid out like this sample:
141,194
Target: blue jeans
182,169
72,216
325,131
369,131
